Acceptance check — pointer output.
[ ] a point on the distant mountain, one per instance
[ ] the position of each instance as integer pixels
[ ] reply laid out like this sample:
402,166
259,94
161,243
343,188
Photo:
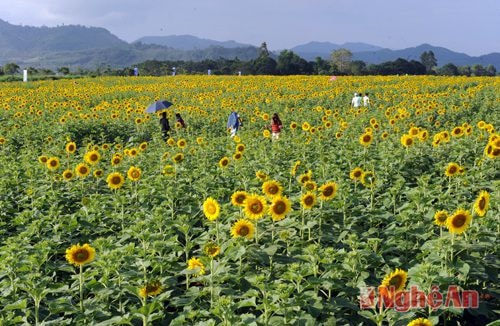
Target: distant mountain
188,42
77,46
372,54
26,41
314,49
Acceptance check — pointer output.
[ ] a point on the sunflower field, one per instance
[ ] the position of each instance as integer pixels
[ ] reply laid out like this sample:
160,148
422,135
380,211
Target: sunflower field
103,222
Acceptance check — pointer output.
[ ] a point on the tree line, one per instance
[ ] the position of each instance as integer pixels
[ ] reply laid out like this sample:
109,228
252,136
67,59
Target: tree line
286,63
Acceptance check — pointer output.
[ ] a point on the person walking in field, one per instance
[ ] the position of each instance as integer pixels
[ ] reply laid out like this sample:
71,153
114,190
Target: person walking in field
276,126
180,120
366,100
356,100
233,123
165,126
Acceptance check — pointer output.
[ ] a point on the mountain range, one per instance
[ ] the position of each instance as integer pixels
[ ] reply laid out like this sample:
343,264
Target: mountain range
77,46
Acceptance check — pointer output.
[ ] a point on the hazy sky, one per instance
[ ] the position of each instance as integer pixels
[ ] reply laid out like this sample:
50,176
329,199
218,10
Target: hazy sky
469,26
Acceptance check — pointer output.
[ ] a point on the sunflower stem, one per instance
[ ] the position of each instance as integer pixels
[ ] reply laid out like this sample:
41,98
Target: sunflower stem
211,283
81,289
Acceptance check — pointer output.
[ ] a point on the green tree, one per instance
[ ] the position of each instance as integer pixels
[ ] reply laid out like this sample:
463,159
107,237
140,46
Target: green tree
63,70
478,70
291,64
341,58
491,70
264,64
358,67
448,69
10,68
428,59
321,66
465,71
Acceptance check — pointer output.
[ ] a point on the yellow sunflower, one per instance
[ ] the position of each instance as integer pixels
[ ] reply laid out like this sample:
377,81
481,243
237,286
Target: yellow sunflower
279,208
368,179
420,322
305,126
67,175
115,180
82,170
452,169
303,178
261,175
211,209
266,133
168,170
151,289
255,207
366,139
356,173
181,143
295,167
308,200
211,249
70,147
328,191
134,173
481,203
237,156
406,140
171,142
240,147
224,162
143,146
92,157
459,221
179,157
272,188
196,264
440,218
243,228
80,255
238,198
53,163
310,185
98,173
43,159
116,159
395,280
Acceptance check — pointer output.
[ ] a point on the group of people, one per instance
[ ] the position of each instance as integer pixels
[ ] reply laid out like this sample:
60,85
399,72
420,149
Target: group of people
356,100
165,126
234,121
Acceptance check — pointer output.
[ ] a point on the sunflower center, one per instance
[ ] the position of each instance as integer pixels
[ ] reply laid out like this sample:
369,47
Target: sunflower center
279,207
396,281
309,200
116,180
240,199
81,255
453,169
135,174
272,190
244,230
328,191
256,207
93,157
482,203
459,220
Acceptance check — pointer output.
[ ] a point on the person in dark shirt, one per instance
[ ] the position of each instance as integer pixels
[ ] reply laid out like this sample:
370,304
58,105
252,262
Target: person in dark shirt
180,120
165,126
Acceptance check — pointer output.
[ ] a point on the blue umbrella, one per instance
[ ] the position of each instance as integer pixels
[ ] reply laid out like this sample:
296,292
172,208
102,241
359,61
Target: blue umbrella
158,106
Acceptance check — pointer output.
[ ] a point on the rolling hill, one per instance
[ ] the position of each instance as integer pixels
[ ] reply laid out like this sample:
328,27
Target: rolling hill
76,46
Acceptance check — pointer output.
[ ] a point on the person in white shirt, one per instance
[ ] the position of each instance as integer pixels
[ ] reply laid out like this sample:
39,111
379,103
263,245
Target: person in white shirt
366,100
356,100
